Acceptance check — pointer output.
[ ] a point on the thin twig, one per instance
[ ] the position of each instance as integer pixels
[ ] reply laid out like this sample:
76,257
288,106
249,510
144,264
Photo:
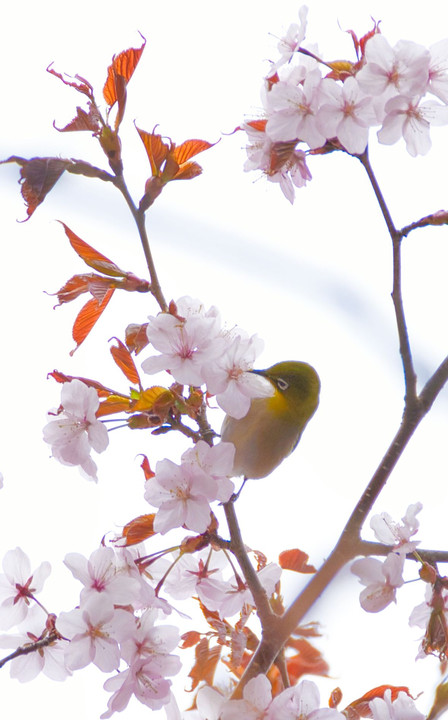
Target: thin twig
397,296
139,217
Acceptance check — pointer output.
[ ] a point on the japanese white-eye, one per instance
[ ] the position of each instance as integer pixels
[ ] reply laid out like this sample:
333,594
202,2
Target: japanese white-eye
273,425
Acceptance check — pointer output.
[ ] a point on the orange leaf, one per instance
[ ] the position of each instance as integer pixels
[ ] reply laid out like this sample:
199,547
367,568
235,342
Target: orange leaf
188,171
205,664
190,148
87,317
37,177
123,359
154,397
189,639
156,150
102,390
360,707
83,86
136,337
148,473
113,404
295,560
139,529
92,257
83,121
122,66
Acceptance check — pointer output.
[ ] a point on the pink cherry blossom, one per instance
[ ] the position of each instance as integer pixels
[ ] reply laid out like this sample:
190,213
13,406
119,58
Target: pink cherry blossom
435,638
381,579
291,41
438,70
390,71
76,431
182,494
301,701
292,111
402,708
100,574
217,462
238,595
257,697
411,119
345,113
18,585
230,380
199,574
94,630
186,341
390,532
154,642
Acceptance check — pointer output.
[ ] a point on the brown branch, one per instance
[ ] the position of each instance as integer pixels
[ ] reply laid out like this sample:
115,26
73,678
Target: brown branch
397,296
31,647
139,217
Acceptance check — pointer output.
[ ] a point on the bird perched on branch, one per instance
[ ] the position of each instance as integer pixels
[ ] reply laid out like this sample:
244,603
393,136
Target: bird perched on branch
273,425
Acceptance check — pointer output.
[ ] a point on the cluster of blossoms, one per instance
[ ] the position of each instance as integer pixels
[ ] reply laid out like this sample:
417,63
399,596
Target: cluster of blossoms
301,701
385,88
197,351
383,578
115,627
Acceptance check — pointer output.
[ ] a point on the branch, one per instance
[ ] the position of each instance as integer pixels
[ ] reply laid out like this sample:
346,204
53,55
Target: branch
139,217
31,647
397,297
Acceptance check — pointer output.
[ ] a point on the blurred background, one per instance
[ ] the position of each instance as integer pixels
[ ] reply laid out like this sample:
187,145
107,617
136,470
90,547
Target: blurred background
313,280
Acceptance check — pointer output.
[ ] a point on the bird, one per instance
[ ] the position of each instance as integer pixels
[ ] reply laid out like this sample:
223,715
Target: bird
273,426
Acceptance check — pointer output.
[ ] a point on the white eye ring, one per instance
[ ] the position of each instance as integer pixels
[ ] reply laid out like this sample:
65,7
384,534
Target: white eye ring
282,384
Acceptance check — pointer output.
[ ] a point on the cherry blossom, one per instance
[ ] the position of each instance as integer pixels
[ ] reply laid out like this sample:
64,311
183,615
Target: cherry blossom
238,594
230,379
432,615
76,431
381,579
183,493
100,574
187,341
410,118
346,113
291,41
292,110
94,630
402,708
257,697
301,701
390,532
390,71
438,70
154,642
18,585
199,574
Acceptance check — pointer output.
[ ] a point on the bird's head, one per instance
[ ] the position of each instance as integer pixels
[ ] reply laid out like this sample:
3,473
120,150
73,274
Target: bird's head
297,387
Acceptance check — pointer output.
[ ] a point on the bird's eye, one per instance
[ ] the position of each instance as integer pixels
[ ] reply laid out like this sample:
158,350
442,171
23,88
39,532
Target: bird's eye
282,384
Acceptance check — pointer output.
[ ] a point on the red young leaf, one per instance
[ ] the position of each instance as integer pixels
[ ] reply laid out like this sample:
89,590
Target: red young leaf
189,639
188,171
136,337
205,664
83,86
123,65
37,177
83,121
87,317
139,529
360,707
102,390
124,360
188,149
156,150
114,404
148,473
92,257
79,284
295,560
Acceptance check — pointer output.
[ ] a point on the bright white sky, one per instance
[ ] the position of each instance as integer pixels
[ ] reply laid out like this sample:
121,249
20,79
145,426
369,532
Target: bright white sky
312,280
